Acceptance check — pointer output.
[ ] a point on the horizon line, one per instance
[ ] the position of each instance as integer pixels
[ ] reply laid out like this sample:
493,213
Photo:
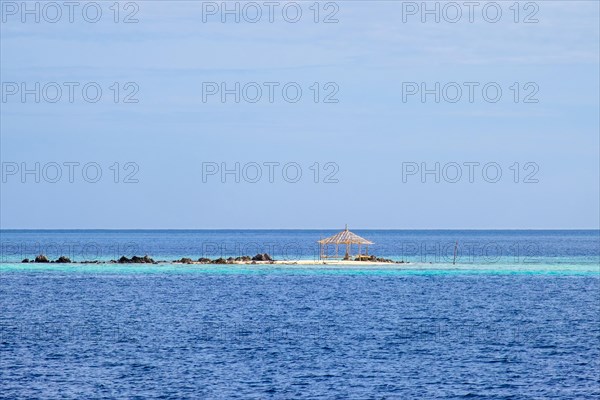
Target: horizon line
299,229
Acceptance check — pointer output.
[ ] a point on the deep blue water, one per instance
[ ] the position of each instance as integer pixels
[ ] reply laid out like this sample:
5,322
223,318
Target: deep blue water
476,331
290,336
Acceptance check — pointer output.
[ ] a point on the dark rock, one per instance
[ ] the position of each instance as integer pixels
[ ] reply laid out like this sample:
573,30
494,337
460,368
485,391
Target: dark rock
136,260
262,257
204,260
186,260
41,259
230,260
243,258
25,260
219,260
146,260
63,260
373,258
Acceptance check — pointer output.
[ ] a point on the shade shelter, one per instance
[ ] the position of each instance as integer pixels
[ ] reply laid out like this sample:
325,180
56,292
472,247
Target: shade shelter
345,237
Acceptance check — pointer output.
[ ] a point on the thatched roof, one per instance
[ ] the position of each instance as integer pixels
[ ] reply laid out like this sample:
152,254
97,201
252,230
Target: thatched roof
345,237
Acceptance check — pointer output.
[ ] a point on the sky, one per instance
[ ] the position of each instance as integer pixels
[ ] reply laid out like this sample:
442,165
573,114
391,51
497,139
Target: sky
371,113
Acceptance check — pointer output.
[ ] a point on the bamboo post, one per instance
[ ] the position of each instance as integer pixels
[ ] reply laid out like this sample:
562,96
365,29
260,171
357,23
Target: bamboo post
455,248
320,250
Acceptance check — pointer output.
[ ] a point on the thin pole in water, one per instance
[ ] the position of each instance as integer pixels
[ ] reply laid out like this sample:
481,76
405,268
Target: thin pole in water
455,247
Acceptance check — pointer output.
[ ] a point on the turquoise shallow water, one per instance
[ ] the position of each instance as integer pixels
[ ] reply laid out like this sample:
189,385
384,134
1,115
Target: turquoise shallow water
392,269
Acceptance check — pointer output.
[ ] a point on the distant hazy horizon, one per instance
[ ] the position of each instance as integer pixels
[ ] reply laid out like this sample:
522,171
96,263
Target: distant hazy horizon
300,229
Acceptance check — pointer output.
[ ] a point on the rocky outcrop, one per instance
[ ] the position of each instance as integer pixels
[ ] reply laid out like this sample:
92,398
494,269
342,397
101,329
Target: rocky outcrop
262,257
243,259
365,258
25,260
63,260
186,260
219,260
375,259
204,260
41,259
136,260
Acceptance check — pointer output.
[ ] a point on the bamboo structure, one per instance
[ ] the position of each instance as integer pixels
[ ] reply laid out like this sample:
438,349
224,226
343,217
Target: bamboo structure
345,237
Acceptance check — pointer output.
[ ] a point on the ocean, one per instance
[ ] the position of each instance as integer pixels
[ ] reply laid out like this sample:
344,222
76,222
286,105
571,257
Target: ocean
515,315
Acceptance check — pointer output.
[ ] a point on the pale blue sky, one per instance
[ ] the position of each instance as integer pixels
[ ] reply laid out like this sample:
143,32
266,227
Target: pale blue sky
369,133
